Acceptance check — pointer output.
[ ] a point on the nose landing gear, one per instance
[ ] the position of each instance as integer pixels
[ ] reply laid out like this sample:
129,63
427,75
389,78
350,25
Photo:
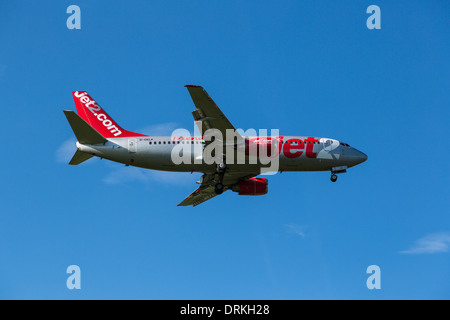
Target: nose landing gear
336,170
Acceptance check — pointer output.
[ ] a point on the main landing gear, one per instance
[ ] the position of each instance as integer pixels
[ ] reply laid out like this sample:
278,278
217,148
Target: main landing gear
221,167
333,178
219,187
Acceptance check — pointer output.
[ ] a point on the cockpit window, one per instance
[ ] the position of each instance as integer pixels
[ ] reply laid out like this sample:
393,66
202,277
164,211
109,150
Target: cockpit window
344,144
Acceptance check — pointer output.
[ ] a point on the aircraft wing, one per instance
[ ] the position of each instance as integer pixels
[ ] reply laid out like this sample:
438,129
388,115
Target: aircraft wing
202,194
206,189
208,115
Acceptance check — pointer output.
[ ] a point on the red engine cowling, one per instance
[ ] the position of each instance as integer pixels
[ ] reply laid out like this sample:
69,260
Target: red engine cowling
253,187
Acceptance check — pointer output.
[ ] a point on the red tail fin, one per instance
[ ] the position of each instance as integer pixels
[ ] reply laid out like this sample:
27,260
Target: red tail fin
93,114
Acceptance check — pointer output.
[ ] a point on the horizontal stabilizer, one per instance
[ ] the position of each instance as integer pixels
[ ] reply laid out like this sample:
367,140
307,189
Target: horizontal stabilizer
80,157
83,131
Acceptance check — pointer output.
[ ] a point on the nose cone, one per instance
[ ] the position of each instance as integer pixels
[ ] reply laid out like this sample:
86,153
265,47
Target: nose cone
360,156
354,157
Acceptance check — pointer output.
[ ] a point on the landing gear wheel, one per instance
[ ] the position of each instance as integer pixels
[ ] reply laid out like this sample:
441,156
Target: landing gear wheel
221,167
333,178
218,189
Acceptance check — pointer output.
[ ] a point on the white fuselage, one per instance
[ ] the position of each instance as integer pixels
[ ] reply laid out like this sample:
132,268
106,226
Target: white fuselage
296,153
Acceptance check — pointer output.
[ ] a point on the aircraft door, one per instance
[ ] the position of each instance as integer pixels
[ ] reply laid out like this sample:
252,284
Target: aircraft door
132,145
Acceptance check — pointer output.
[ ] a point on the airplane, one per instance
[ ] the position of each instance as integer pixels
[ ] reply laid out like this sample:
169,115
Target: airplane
99,135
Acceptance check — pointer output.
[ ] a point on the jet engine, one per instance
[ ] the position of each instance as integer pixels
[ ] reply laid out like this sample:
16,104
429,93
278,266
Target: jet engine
252,187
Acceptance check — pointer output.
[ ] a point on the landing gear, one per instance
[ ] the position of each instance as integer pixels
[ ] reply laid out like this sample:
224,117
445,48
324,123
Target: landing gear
218,188
221,168
333,178
334,170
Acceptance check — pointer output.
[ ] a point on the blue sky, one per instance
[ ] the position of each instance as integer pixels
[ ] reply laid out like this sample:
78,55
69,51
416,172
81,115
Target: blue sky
304,67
